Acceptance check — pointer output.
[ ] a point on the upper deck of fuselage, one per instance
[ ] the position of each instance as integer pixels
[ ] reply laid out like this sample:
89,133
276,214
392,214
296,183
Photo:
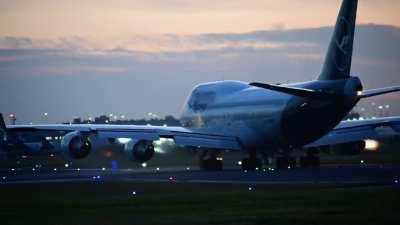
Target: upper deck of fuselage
230,96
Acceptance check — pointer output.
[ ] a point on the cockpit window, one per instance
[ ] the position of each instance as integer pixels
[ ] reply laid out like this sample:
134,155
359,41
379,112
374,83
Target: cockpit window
200,100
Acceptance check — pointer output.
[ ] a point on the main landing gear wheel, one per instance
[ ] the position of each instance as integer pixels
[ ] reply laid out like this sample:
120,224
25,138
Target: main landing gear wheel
251,164
285,162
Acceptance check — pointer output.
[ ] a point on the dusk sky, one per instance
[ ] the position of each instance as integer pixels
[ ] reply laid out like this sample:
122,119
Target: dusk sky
91,57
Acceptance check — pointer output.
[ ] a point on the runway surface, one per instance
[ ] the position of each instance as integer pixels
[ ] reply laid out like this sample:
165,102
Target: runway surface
366,175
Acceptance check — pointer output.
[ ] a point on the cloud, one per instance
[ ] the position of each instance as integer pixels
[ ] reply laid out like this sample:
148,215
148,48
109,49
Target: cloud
78,76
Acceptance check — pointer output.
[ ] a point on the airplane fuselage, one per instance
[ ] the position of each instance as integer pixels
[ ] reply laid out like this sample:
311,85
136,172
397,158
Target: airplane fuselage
265,118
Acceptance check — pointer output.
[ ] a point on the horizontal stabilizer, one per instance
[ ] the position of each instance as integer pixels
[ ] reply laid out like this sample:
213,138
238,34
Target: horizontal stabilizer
379,91
300,92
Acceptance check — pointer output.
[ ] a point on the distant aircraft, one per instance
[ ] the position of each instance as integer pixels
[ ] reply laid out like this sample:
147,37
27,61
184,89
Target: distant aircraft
257,118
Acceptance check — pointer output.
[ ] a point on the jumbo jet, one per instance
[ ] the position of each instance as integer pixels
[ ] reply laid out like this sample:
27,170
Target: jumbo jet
257,118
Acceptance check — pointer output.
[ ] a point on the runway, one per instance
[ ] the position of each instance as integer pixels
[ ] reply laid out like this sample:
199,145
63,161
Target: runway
363,175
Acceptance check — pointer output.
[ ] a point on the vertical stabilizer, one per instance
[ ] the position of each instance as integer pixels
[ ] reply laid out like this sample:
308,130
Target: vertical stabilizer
338,58
3,129
2,123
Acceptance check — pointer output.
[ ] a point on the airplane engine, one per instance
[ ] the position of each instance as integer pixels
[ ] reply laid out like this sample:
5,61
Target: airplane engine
352,148
139,150
75,145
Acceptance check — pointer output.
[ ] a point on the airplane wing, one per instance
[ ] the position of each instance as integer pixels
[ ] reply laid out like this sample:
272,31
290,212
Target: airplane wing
356,130
182,136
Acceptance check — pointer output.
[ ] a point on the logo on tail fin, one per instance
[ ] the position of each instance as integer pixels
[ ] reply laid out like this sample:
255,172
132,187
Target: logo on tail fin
343,43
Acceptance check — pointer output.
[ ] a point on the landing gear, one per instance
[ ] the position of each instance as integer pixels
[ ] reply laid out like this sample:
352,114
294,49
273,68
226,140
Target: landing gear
285,162
251,164
212,162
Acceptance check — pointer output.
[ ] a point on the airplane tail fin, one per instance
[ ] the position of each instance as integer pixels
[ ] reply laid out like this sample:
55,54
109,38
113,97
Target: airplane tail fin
2,123
3,129
337,63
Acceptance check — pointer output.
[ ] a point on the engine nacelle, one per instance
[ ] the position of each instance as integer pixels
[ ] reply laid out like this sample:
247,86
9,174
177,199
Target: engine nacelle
139,150
352,148
75,145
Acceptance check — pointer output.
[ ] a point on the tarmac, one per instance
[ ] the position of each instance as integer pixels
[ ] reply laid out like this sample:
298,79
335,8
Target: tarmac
352,175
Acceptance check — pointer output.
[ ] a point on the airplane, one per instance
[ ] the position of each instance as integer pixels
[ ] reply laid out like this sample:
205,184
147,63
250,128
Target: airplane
256,118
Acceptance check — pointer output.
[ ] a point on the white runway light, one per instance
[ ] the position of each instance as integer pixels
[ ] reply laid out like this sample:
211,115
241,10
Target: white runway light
144,165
